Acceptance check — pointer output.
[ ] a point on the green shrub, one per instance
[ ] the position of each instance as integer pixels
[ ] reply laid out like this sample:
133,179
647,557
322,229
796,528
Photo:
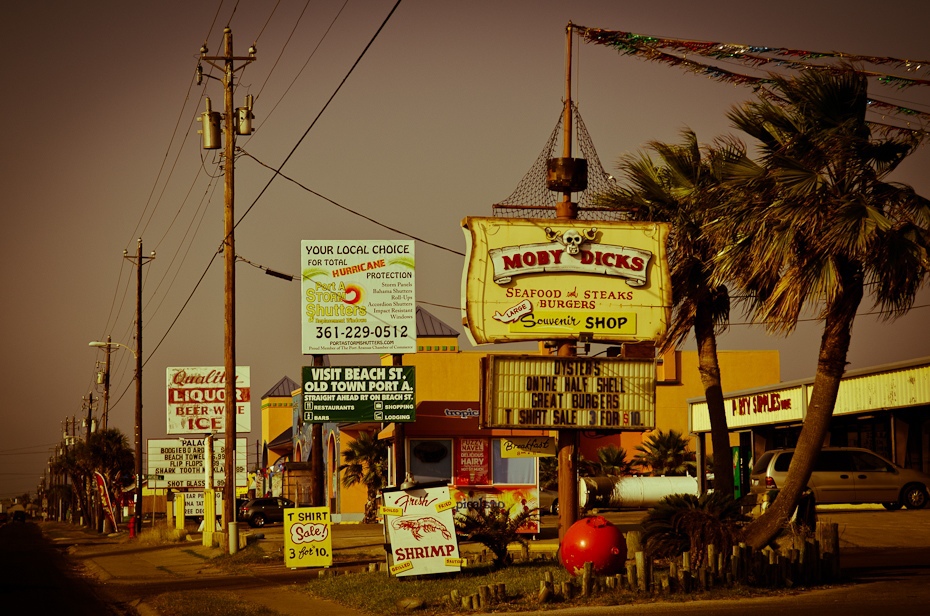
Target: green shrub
687,523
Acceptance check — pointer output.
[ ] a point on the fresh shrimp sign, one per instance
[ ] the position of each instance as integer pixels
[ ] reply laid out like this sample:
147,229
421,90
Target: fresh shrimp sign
421,530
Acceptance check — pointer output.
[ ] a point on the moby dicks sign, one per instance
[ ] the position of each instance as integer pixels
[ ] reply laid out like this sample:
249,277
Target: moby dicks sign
197,400
543,279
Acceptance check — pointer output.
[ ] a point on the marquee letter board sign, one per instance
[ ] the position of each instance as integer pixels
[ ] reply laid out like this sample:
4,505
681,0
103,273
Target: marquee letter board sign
551,393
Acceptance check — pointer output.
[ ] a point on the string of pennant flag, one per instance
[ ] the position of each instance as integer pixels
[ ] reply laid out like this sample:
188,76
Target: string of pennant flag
681,53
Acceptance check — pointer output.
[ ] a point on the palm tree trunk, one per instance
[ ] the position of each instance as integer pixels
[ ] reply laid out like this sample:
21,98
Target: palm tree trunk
709,368
831,364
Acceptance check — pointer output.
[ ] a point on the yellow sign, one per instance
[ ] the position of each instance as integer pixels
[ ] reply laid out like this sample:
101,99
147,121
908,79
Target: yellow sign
543,279
308,540
549,392
402,567
528,447
390,510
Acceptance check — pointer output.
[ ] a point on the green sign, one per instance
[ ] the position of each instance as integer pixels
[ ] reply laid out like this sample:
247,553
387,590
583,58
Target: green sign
358,393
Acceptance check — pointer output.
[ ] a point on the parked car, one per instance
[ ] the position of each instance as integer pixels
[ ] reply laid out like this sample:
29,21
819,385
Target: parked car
260,511
548,502
845,475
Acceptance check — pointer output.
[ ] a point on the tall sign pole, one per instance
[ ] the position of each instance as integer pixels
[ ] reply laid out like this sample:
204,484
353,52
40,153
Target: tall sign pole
106,385
229,295
138,261
566,210
233,123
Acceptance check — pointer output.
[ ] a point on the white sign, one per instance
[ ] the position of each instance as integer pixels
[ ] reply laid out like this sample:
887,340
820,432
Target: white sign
193,503
358,297
552,393
197,400
179,463
421,530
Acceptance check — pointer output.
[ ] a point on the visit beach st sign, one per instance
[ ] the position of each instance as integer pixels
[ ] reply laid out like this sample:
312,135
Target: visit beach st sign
359,393
358,297
546,279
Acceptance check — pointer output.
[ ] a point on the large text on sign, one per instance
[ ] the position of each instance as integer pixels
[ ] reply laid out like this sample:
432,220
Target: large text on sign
197,400
308,541
364,393
560,392
358,296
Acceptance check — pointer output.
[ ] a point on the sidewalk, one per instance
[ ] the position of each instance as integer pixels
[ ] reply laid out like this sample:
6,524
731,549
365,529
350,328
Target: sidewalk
873,540
134,572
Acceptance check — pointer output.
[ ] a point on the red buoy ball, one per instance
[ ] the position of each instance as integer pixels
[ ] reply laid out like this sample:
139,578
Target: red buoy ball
593,539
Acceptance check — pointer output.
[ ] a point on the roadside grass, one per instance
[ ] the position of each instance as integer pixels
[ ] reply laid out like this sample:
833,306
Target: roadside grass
162,534
207,603
243,559
379,593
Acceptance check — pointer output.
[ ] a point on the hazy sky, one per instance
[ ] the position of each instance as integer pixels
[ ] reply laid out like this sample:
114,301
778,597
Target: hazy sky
442,118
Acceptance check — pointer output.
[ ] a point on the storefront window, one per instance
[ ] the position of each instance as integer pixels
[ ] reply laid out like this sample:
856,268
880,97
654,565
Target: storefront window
511,470
430,460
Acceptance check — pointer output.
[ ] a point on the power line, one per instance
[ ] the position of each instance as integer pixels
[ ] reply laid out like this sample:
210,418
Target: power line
351,211
291,153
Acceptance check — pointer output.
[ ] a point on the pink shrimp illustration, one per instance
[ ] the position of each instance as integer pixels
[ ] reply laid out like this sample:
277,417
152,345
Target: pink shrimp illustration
416,526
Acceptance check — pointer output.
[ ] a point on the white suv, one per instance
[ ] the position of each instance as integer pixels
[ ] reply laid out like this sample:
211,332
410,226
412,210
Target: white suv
845,475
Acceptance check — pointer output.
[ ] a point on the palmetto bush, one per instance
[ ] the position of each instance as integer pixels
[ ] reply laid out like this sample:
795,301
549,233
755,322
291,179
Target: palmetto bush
687,523
495,528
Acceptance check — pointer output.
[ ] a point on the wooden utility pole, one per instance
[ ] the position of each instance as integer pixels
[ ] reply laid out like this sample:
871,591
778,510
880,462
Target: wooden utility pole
317,476
106,385
567,439
229,291
233,124
400,437
138,261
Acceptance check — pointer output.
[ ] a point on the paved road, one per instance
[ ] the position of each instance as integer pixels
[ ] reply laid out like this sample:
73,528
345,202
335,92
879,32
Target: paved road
38,578
885,554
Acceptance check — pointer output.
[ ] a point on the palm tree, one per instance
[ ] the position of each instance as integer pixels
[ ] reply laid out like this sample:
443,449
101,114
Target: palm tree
688,523
682,189
824,227
495,527
109,453
366,463
70,464
665,453
611,460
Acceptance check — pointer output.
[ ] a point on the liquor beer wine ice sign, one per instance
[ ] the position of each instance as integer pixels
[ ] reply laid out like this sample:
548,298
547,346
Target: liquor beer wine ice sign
197,400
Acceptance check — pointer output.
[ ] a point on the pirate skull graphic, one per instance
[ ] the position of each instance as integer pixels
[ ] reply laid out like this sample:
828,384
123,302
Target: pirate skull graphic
571,239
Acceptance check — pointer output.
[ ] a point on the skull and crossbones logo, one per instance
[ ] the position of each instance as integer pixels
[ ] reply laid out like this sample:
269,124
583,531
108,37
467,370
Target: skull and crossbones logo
571,239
